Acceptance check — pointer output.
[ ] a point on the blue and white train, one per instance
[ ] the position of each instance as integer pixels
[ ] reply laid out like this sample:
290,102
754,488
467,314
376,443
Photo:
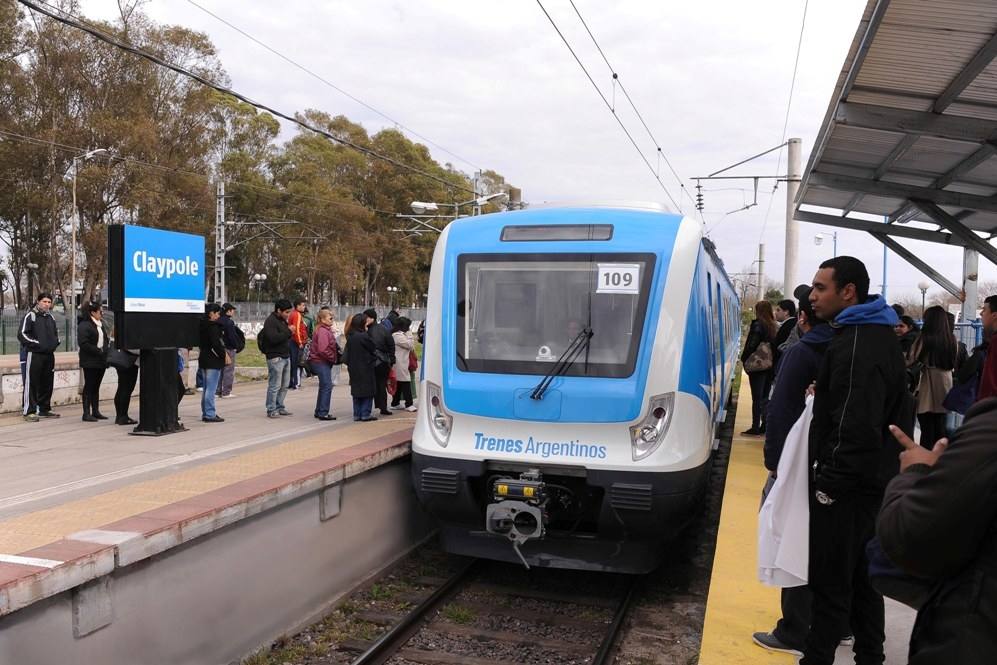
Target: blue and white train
578,361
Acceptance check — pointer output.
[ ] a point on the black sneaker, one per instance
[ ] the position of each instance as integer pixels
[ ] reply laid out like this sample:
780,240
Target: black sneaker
213,419
751,432
772,643
49,414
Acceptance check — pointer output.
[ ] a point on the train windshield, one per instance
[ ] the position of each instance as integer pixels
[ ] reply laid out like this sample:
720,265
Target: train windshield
518,313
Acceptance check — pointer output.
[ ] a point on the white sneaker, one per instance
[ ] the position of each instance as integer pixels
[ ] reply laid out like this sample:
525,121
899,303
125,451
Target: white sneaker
411,408
396,408
200,390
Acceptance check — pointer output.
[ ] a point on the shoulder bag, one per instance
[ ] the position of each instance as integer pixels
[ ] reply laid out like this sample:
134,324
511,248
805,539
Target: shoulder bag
760,359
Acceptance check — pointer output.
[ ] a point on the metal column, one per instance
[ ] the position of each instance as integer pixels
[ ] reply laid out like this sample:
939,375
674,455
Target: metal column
970,283
794,174
220,244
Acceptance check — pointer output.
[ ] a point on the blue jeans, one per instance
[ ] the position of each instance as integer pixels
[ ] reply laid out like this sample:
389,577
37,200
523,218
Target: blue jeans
211,378
295,356
362,407
324,397
278,375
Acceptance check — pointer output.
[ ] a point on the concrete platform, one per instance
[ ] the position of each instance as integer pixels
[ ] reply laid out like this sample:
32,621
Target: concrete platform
82,504
738,604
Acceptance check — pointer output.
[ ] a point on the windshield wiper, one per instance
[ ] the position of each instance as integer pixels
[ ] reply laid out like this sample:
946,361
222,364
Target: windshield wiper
578,344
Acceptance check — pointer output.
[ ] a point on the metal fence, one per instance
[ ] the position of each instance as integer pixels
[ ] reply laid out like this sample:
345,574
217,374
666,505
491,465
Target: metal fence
249,315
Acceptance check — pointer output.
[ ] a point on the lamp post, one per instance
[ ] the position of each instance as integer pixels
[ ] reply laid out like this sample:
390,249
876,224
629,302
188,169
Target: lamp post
392,290
924,286
258,280
819,238
90,154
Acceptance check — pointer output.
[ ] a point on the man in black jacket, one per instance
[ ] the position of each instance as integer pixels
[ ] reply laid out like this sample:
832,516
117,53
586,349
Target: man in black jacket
797,370
274,341
939,522
40,338
211,360
785,316
384,355
860,391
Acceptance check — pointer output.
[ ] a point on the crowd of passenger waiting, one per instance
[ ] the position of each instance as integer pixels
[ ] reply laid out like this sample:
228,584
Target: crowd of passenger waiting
380,356
916,520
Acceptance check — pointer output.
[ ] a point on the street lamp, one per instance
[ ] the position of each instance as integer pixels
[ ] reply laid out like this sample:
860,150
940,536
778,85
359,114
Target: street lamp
819,238
392,290
924,286
258,280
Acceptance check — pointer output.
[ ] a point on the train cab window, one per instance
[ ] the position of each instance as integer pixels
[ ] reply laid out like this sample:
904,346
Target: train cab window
522,311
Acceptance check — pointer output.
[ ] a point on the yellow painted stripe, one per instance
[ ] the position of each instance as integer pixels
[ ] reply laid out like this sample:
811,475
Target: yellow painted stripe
41,527
738,604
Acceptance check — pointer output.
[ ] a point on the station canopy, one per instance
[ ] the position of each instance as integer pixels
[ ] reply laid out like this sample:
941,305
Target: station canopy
910,135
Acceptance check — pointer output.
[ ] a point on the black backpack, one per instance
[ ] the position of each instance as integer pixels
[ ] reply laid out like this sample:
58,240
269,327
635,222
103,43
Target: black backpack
240,340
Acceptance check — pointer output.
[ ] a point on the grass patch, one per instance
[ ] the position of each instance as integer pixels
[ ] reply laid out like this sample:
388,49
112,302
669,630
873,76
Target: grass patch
459,614
251,356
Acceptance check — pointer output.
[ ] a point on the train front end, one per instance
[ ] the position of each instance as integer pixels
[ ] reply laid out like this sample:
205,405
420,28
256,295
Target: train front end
552,428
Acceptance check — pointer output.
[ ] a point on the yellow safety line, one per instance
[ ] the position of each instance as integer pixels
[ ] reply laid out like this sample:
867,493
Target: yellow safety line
738,604
41,527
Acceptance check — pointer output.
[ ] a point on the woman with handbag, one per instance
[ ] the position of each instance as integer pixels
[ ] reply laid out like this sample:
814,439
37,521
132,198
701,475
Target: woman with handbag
404,351
322,356
758,360
930,364
93,343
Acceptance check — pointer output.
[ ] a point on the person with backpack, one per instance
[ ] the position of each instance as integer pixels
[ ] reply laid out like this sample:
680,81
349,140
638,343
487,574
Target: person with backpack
235,341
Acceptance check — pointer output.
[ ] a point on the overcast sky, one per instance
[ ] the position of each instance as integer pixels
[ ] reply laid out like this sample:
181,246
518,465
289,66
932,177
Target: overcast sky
493,83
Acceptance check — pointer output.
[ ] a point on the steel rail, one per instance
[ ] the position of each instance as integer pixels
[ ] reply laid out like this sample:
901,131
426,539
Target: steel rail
607,650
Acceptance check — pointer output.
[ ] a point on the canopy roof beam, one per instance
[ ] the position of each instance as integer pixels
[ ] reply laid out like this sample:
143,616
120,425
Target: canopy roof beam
966,77
902,191
912,259
904,121
956,228
854,224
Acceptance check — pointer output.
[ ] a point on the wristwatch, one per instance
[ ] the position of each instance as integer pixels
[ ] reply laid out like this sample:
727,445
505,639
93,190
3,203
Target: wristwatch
823,499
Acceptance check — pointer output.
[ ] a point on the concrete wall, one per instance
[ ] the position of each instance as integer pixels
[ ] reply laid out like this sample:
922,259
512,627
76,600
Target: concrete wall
217,599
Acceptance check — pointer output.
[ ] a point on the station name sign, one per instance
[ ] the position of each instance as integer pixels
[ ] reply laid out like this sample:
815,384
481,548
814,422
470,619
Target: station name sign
163,271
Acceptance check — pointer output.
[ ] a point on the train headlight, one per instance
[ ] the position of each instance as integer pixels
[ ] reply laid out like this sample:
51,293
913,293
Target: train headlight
647,435
440,422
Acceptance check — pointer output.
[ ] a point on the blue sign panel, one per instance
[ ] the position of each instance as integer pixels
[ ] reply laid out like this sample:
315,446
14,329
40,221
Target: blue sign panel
163,271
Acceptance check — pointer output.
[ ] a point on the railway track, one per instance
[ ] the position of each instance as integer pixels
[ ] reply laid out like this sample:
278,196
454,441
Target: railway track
522,623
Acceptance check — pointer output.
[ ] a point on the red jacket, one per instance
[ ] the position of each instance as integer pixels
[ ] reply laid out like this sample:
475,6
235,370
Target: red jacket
299,331
988,377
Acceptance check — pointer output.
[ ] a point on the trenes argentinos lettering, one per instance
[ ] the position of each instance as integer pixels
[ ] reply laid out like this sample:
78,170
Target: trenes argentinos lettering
544,449
142,261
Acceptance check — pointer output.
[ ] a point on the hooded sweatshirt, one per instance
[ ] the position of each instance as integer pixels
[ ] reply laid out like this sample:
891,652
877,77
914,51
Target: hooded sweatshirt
861,390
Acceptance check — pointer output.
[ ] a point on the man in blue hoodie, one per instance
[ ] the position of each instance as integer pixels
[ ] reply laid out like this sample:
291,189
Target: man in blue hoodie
797,369
860,391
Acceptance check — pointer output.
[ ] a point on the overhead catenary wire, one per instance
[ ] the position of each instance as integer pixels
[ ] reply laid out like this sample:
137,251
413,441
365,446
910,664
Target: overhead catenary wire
332,85
172,169
785,123
66,18
609,106
618,81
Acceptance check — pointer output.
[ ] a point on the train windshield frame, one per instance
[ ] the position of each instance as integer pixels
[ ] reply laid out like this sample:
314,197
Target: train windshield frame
517,313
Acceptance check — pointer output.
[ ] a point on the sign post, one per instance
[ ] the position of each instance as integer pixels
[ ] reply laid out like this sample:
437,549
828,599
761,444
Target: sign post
156,291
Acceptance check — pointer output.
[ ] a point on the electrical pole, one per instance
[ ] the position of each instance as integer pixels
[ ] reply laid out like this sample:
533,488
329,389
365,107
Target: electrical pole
793,175
761,271
970,293
220,244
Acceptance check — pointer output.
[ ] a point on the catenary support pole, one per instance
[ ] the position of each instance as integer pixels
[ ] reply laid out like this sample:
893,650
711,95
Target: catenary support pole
761,271
794,174
220,244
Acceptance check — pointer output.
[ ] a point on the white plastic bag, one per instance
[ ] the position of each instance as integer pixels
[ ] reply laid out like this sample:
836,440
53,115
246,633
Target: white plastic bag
784,519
